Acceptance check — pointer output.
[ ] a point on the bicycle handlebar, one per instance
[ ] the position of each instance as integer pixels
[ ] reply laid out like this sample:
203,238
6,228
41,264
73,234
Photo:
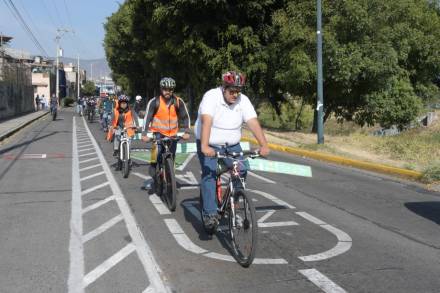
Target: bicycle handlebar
251,154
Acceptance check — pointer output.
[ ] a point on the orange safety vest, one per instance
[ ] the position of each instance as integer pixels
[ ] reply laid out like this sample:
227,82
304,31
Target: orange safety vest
165,120
128,121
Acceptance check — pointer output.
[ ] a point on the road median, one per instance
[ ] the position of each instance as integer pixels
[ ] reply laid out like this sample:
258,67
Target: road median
344,161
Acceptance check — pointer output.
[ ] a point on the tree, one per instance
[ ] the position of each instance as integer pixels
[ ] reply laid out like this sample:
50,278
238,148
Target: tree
377,55
88,89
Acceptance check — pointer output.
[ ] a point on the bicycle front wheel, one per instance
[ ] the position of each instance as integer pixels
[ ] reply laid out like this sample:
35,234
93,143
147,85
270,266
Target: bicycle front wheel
243,229
170,187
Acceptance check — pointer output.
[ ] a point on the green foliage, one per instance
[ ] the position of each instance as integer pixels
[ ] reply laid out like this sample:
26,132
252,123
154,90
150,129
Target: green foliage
88,89
380,57
293,115
68,101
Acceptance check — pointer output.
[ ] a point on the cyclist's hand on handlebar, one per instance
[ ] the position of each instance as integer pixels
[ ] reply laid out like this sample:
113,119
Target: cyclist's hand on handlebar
264,151
208,151
145,138
185,136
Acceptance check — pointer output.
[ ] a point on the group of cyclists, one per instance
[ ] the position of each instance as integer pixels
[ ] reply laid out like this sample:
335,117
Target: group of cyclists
217,129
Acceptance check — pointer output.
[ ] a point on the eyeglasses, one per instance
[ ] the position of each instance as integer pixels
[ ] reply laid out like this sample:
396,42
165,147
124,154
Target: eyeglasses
234,91
168,89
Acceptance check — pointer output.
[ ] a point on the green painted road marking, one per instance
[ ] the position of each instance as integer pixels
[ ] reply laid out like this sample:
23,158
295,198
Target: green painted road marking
279,167
145,156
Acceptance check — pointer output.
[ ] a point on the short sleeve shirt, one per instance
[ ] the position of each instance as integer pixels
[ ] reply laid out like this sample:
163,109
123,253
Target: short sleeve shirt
227,119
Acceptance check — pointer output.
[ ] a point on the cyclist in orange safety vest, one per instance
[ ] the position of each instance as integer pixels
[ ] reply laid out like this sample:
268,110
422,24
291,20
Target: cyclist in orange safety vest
162,118
122,117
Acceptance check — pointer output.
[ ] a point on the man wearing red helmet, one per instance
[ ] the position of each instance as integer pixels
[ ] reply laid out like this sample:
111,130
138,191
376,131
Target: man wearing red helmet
221,114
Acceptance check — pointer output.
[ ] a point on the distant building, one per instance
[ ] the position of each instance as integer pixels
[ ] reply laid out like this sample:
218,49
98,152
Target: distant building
71,79
43,76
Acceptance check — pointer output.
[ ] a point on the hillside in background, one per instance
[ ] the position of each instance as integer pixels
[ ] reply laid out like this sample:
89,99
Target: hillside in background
100,66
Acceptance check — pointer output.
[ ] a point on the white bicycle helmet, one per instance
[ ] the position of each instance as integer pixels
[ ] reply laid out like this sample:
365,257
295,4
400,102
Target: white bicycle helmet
138,98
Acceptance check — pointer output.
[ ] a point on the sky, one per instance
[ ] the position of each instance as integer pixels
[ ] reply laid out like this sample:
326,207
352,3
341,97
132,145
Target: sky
85,17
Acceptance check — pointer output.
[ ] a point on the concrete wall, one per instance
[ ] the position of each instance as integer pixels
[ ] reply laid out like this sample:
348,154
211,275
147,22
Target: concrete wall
16,92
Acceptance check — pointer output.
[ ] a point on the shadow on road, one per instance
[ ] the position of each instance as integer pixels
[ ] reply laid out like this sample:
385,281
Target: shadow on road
427,209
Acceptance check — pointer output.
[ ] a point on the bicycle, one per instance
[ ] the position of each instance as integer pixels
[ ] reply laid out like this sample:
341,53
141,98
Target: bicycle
91,113
124,161
53,111
234,205
165,181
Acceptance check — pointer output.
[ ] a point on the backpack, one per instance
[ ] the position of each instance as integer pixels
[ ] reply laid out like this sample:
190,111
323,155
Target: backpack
175,102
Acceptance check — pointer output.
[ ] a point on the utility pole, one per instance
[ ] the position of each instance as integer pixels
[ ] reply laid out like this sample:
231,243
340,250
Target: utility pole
91,71
57,39
79,79
320,102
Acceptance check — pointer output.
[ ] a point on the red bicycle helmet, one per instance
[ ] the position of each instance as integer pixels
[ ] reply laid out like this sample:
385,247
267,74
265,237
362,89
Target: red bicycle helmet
233,79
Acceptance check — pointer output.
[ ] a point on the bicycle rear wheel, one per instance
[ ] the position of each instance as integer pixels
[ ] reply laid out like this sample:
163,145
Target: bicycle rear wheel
125,161
170,184
243,229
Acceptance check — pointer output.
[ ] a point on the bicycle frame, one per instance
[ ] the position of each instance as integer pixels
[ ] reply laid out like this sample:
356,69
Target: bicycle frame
124,140
234,172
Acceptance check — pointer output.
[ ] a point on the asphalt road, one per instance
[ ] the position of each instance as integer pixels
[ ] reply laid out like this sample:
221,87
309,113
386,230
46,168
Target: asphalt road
71,223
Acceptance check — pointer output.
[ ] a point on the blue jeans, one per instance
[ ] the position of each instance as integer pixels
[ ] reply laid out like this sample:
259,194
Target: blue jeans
209,167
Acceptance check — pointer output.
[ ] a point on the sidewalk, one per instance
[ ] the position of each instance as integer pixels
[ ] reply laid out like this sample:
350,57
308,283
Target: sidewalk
9,127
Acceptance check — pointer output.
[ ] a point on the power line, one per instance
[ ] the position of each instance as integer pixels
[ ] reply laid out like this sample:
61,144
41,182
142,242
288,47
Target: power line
48,12
58,12
25,26
68,13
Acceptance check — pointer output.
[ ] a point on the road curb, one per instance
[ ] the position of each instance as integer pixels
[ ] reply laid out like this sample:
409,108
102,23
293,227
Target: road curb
20,126
343,161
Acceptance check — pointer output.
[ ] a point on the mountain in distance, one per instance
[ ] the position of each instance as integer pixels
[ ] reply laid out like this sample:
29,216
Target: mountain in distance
99,67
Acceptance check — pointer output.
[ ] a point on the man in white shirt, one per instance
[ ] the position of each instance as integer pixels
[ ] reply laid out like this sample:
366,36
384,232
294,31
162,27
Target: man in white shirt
221,114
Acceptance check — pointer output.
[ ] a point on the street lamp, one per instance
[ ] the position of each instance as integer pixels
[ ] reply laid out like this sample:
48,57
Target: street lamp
320,102
57,39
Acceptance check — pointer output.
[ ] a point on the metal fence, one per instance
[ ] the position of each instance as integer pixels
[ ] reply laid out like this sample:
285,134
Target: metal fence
16,91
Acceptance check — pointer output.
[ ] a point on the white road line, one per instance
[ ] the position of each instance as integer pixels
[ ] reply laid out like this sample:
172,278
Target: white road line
272,198
98,204
344,240
89,167
188,178
158,204
87,154
92,176
261,177
76,268
108,264
143,250
104,227
270,261
87,149
186,243
88,160
181,167
81,148
145,177
91,189
84,144
324,283
43,156
266,216
277,224
189,187
181,237
311,218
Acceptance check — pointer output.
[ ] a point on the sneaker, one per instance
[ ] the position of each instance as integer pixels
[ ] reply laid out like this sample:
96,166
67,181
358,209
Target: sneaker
210,221
115,153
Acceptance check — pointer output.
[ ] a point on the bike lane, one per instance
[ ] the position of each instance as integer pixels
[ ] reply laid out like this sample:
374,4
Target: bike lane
321,245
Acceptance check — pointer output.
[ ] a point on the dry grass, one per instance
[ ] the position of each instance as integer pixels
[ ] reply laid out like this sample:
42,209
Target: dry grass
417,149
